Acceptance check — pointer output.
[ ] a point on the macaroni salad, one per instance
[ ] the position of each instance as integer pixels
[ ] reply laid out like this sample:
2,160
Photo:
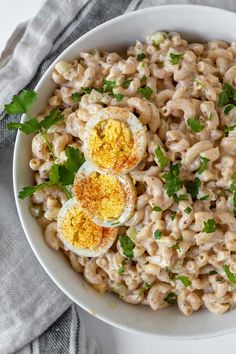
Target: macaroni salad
179,244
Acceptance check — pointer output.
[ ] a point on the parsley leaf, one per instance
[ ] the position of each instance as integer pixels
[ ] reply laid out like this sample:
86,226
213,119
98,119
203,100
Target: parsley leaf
186,282
212,272
173,215
180,197
29,127
227,97
223,99
118,96
146,286
162,159
195,124
172,181
203,164
52,118
229,129
109,85
66,177
193,187
126,83
229,90
188,210
74,159
156,208
76,97
63,175
86,90
145,92
233,177
157,235
234,203
54,174
22,102
228,108
175,58
59,175
127,245
121,270
231,276
28,191
99,89
33,125
141,56
205,197
232,189
209,226
171,298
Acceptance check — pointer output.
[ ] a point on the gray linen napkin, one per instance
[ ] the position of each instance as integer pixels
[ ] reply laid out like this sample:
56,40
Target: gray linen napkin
29,301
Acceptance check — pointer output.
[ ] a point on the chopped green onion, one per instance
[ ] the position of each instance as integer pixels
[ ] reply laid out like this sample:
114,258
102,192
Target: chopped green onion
201,84
121,270
156,208
231,276
175,58
86,90
203,164
186,282
205,197
162,159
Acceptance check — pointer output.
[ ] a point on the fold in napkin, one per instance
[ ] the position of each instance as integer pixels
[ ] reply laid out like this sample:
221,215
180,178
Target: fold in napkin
31,306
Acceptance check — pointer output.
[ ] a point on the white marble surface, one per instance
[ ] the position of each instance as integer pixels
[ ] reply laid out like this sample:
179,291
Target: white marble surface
113,340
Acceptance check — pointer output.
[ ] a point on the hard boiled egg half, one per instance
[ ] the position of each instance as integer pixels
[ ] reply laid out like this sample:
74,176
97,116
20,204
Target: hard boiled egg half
79,234
114,141
107,199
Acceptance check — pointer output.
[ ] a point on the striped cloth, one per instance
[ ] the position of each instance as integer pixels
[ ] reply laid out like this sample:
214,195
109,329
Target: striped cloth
31,306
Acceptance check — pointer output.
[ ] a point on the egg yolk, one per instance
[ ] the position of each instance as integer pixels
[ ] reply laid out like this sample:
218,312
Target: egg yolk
111,143
80,231
101,195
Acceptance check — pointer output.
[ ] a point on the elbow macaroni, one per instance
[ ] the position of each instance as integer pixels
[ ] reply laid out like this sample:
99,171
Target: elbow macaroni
179,91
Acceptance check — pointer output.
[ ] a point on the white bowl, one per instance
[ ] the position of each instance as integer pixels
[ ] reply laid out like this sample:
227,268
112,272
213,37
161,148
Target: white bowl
194,23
